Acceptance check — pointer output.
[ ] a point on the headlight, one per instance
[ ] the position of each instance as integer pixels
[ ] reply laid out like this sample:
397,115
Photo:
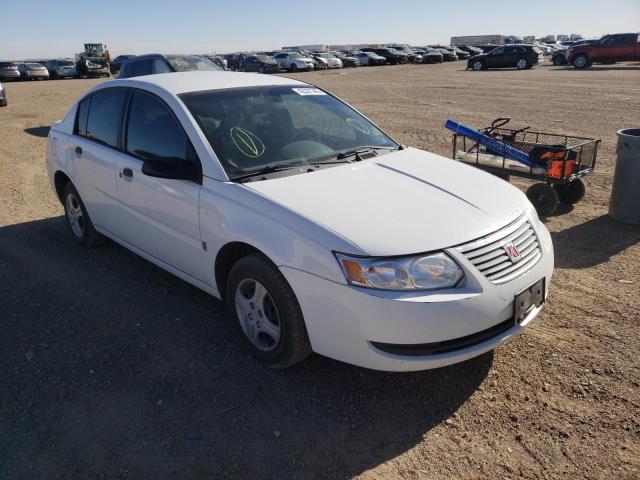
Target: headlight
421,272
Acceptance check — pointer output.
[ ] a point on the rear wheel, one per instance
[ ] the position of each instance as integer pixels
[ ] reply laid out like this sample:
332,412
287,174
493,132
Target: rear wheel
544,198
522,64
267,311
581,61
571,192
78,220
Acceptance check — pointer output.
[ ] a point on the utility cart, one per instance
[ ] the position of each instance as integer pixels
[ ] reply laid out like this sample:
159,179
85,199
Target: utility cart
557,162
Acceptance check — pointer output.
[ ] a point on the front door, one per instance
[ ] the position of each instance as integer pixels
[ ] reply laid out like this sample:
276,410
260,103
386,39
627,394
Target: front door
159,216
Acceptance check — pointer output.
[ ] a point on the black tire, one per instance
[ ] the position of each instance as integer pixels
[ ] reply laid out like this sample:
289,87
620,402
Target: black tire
559,60
261,69
572,192
294,68
477,65
581,61
89,236
544,198
522,64
293,345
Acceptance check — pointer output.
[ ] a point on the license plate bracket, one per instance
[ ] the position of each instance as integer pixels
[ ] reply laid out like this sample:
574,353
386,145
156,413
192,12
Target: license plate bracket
527,299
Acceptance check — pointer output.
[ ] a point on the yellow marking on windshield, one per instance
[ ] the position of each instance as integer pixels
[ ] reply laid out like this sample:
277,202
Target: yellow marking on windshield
247,142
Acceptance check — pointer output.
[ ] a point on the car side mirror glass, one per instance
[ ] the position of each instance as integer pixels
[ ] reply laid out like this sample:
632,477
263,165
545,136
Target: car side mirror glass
171,168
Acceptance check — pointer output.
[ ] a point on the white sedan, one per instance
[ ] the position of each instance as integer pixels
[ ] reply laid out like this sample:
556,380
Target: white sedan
318,231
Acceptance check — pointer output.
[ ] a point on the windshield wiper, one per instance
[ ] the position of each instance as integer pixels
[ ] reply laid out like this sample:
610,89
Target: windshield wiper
266,170
357,152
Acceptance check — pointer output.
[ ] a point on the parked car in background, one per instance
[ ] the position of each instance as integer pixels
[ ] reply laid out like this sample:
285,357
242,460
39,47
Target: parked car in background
293,61
448,55
507,56
275,225
9,71
411,55
319,62
259,64
217,60
116,64
392,56
370,58
158,63
93,67
470,50
61,68
332,60
619,47
234,60
346,59
3,96
33,71
431,55
561,56
461,54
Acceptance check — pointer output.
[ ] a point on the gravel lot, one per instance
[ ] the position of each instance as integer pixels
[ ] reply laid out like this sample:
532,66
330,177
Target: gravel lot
112,368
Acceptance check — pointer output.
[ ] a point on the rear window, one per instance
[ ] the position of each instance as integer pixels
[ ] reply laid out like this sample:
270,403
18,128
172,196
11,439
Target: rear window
33,65
185,63
65,63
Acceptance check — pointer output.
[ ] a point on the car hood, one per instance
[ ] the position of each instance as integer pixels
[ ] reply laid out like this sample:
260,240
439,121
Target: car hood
402,202
478,56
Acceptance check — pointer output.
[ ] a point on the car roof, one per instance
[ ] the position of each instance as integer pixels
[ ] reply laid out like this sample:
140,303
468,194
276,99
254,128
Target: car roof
198,81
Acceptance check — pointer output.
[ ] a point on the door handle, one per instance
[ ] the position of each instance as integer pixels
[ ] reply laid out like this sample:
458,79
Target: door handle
127,172
78,151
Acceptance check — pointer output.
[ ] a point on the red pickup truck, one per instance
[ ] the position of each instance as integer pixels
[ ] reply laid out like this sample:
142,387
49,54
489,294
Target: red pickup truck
618,47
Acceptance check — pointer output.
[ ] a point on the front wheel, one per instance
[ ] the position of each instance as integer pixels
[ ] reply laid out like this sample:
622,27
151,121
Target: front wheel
581,61
78,221
558,60
294,67
477,66
522,64
264,305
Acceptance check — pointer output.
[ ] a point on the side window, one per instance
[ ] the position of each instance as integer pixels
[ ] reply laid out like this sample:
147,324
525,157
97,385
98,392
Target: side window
141,68
152,131
81,117
105,114
158,65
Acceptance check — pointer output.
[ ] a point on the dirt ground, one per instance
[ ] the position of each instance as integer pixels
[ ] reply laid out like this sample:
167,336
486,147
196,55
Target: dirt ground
112,368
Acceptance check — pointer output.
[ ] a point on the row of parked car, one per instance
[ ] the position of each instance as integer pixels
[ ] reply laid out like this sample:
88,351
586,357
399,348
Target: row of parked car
54,69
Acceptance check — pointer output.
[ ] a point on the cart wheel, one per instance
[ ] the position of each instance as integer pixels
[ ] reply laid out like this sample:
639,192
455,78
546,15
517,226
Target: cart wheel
571,192
544,198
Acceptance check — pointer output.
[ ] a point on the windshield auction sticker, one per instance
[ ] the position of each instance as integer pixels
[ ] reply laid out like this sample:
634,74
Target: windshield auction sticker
308,91
247,142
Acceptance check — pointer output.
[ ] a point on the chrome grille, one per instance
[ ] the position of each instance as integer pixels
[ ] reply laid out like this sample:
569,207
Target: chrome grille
489,255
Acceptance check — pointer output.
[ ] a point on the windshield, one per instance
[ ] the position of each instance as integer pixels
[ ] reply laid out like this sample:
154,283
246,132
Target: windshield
185,63
34,65
65,63
251,128
295,55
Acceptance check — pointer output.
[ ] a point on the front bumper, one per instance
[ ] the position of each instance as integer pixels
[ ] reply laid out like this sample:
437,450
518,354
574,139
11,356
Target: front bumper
344,322
10,75
36,75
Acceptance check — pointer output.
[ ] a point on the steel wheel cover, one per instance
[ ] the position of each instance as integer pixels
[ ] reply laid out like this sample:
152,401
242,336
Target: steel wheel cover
258,315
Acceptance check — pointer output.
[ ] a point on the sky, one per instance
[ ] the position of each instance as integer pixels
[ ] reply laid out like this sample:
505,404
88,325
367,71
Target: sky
58,28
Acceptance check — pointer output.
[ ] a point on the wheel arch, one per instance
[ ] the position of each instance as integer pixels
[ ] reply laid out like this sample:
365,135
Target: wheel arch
227,257
60,180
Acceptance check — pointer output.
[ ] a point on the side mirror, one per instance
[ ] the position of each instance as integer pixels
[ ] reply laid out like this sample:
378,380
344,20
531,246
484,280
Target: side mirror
172,168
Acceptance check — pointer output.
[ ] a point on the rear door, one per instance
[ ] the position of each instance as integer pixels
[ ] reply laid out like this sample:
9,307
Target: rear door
159,216
94,148
614,48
